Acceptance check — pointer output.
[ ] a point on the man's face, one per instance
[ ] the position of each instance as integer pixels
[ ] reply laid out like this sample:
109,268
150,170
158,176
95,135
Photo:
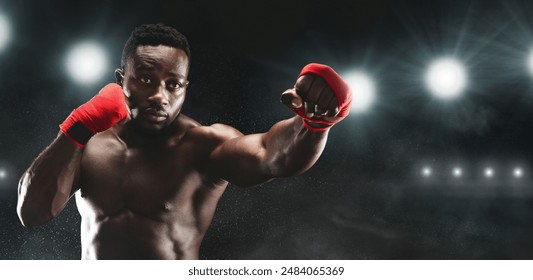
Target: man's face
155,80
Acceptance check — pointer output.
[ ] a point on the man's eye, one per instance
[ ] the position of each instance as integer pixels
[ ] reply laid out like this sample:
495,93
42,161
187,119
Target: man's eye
146,80
175,85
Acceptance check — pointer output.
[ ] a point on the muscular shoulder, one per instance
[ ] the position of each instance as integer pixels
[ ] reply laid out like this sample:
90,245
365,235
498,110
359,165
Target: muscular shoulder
213,134
193,130
185,123
106,140
201,141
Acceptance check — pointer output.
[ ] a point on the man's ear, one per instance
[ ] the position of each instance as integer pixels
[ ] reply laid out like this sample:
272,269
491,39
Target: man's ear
119,75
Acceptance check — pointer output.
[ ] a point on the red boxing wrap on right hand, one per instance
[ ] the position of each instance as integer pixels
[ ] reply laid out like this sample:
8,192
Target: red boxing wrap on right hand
100,113
342,91
335,82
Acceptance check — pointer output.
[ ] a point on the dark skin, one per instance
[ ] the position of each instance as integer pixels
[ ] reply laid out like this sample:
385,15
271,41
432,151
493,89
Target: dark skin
147,188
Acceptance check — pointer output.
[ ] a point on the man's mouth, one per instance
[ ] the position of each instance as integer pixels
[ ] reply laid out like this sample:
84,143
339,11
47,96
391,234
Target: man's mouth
154,115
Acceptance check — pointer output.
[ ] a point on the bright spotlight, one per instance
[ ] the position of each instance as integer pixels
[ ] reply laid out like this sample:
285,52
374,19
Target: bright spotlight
426,171
518,172
363,91
446,78
3,174
489,172
530,61
5,32
86,62
457,172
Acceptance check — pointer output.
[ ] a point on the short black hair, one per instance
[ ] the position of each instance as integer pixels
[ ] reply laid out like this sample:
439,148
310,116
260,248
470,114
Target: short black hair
155,35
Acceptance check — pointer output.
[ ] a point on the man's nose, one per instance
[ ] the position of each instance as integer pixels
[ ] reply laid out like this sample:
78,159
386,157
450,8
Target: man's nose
159,96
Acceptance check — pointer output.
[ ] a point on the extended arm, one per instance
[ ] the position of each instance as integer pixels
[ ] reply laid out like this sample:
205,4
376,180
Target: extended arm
288,148
291,146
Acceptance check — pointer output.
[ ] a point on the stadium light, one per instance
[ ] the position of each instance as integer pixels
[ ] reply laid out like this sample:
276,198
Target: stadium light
426,171
446,78
489,172
363,91
457,172
530,61
5,32
86,62
518,172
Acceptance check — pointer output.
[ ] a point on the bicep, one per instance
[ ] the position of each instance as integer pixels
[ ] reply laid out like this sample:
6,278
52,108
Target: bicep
241,160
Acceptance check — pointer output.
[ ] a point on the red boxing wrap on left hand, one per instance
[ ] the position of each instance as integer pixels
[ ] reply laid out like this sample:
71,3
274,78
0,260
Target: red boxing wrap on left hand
100,113
342,91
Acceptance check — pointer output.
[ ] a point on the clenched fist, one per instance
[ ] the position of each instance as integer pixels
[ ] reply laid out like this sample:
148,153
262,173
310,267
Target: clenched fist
320,96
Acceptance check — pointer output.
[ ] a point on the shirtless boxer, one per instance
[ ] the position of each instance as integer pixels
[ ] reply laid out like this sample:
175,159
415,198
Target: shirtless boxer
146,178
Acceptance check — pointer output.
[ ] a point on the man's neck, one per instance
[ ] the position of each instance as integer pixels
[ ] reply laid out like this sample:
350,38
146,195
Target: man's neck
134,136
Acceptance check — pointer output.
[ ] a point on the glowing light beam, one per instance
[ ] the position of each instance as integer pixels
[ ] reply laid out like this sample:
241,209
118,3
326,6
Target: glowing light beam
446,78
5,32
530,61
426,171
489,172
363,91
518,172
86,62
457,172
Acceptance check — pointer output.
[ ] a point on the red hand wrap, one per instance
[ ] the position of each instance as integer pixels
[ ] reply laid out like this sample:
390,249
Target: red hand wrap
99,114
337,84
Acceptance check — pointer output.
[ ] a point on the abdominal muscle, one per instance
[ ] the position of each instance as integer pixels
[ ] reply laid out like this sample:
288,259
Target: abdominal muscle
127,235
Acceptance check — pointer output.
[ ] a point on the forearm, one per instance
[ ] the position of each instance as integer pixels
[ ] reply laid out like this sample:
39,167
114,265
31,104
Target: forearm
291,148
46,186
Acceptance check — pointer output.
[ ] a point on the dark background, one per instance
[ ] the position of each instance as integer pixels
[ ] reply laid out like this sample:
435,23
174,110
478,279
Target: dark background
365,198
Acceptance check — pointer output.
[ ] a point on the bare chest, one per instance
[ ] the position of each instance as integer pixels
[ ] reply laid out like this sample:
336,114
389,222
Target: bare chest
147,182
